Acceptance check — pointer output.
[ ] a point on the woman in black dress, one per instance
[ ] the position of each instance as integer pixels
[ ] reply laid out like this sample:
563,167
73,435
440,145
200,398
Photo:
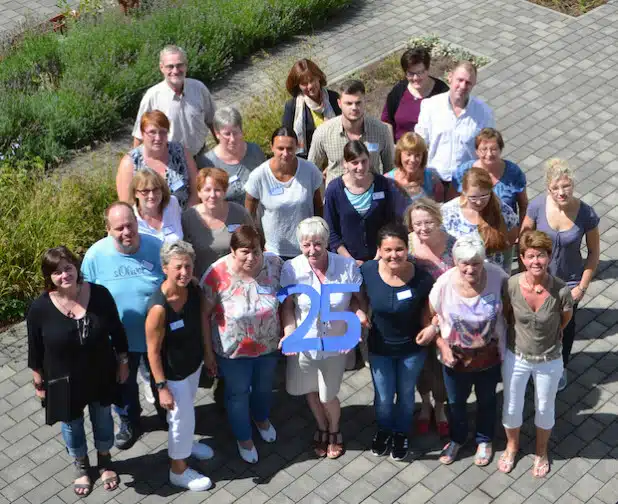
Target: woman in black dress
77,350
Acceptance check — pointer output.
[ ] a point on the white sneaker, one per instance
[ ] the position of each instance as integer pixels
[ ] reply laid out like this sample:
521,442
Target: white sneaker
269,435
202,451
250,456
190,479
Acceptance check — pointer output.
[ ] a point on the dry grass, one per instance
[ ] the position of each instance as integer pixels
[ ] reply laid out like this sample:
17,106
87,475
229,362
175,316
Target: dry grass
571,7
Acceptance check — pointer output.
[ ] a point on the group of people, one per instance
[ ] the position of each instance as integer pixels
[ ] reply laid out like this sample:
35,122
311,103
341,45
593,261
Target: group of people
418,210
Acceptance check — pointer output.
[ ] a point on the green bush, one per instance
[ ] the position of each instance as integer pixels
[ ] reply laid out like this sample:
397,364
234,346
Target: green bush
37,212
61,92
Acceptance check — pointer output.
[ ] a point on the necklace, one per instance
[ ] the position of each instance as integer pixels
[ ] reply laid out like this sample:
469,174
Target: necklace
538,289
69,311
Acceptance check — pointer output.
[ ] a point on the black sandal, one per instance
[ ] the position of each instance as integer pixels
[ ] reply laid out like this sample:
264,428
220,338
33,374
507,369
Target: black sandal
320,443
104,463
81,467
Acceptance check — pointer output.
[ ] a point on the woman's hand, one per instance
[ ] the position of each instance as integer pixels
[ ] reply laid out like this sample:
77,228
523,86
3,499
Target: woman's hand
280,345
426,336
448,359
210,362
40,394
122,373
166,399
364,320
577,294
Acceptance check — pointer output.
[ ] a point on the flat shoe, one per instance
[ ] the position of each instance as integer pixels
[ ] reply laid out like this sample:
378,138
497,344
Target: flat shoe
249,456
268,435
483,454
506,462
449,453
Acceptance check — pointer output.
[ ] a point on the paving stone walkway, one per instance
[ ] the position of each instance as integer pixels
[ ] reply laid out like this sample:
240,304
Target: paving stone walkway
552,83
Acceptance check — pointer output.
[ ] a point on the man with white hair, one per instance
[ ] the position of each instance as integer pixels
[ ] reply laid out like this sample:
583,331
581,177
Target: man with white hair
449,123
187,103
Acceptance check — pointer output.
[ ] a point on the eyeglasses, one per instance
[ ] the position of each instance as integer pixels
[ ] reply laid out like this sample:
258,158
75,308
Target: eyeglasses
178,66
478,199
563,188
146,192
424,224
154,133
411,74
493,150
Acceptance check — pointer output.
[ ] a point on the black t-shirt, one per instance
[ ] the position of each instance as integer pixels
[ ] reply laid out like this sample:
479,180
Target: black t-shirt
76,356
396,317
182,351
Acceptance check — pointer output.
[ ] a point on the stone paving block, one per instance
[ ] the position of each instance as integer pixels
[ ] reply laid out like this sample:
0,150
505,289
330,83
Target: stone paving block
586,487
356,469
497,483
19,487
438,479
357,492
450,494
414,473
332,487
300,487
609,491
554,488
381,473
476,497
419,494
42,492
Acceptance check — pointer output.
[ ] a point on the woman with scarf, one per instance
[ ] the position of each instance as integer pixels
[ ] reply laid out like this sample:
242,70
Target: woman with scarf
311,103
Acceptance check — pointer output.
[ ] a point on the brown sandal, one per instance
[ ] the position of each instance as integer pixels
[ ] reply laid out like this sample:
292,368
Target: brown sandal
320,443
335,445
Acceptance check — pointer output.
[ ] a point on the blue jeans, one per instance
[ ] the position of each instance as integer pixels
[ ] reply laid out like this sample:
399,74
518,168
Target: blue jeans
102,429
395,375
248,390
129,409
458,388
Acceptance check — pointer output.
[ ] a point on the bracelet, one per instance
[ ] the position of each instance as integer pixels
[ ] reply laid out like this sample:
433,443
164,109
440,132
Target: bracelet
38,386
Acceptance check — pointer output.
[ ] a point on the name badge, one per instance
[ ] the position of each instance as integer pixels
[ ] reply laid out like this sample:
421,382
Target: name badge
233,179
232,227
179,324
177,185
276,191
264,289
147,265
378,195
372,147
168,230
406,294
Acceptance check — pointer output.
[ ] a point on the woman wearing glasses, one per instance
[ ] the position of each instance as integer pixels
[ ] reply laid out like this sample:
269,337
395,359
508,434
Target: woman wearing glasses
157,211
169,159
508,179
403,103
478,210
566,220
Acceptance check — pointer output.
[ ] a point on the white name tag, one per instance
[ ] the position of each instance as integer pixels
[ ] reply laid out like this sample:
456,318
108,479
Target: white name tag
168,230
276,191
147,265
264,289
378,195
233,179
232,227
177,185
372,147
179,324
406,294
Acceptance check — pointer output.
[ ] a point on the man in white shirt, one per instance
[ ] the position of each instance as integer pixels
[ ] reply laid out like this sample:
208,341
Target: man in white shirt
187,103
449,122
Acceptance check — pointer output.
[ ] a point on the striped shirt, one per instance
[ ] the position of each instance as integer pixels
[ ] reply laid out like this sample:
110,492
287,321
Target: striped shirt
450,139
330,138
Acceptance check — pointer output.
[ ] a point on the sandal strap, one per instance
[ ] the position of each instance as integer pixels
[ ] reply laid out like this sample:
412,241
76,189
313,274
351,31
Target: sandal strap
104,462
483,450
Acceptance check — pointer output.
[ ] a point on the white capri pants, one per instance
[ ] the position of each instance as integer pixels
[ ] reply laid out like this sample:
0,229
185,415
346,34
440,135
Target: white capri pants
181,419
305,374
516,372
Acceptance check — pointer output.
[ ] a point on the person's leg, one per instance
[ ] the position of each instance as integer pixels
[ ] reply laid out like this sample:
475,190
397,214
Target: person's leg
383,373
515,376
103,433
237,374
75,440
485,383
407,373
330,375
458,387
261,397
546,376
129,408
424,389
317,408
438,391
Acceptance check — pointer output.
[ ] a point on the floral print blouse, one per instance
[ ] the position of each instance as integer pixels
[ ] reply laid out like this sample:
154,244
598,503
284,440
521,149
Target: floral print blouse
245,319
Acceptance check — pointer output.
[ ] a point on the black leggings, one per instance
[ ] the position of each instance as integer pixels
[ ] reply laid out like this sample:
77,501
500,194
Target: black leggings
568,337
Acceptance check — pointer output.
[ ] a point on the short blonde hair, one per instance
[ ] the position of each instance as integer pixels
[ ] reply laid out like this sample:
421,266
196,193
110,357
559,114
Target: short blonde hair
468,247
414,143
176,248
426,205
148,177
557,168
313,227
535,240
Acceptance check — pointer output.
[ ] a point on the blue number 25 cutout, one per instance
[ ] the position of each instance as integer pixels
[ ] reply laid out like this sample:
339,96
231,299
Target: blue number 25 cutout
320,304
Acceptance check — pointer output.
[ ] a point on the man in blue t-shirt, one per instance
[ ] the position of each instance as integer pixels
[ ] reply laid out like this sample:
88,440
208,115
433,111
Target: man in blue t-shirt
128,265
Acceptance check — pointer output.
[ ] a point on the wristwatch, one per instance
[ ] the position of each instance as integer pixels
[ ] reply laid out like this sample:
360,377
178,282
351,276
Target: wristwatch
161,385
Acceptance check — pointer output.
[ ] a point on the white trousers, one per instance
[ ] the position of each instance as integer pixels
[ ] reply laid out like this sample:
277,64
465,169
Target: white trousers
515,374
181,419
